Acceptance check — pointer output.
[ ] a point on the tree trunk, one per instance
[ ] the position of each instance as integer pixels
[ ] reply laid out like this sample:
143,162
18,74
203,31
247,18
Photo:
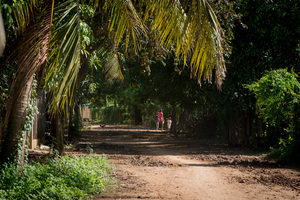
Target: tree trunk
74,111
13,135
231,123
74,122
71,128
297,130
29,54
183,120
57,131
173,116
137,116
244,128
41,116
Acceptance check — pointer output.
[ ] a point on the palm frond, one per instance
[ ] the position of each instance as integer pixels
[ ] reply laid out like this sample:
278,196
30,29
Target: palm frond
22,11
65,48
111,62
107,57
32,48
125,22
191,29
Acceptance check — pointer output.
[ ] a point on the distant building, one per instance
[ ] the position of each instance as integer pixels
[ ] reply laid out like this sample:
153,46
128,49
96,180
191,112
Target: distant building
86,113
37,134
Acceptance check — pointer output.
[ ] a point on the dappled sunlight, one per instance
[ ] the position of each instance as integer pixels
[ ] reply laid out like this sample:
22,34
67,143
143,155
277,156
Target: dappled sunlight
152,142
160,159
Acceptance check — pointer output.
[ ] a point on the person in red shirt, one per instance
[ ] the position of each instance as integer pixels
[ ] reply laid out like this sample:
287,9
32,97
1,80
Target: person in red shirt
160,115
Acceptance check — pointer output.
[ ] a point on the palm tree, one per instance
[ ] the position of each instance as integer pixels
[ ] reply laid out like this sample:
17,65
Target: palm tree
34,24
2,35
189,28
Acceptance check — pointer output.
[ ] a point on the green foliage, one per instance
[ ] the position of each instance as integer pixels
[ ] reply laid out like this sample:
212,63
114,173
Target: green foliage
89,146
111,115
258,46
61,178
278,97
14,23
277,93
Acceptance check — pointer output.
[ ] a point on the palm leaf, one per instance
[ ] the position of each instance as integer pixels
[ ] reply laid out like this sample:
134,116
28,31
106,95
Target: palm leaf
192,30
32,48
109,57
22,11
65,54
125,22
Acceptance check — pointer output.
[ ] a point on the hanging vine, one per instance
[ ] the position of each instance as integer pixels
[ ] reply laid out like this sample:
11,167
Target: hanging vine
27,125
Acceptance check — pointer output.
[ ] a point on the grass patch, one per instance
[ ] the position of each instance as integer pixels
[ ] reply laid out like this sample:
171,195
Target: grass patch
60,178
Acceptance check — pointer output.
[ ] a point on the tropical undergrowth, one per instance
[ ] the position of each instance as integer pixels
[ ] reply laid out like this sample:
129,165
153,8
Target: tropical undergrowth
60,178
278,103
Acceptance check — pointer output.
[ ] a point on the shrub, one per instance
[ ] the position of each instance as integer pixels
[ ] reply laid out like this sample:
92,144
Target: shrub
278,97
61,178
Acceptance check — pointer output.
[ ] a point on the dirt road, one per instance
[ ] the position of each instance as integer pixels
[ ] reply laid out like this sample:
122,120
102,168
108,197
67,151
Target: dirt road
155,165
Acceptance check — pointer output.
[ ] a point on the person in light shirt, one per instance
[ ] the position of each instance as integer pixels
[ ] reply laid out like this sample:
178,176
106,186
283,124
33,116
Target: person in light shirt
169,123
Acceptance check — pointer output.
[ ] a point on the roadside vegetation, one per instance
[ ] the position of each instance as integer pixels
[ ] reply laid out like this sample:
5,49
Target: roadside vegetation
56,178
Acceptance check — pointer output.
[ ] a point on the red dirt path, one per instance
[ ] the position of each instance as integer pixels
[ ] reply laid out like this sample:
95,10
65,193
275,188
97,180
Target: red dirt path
156,165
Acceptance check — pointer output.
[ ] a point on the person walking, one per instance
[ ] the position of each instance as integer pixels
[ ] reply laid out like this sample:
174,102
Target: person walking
157,122
160,115
169,123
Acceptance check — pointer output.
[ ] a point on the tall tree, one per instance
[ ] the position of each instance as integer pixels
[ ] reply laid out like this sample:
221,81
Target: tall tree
34,24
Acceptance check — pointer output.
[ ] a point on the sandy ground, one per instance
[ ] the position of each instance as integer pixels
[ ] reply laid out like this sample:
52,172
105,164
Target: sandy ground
156,165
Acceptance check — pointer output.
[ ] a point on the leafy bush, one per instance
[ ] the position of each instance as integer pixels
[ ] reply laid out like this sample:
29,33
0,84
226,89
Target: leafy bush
278,98
277,93
61,178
